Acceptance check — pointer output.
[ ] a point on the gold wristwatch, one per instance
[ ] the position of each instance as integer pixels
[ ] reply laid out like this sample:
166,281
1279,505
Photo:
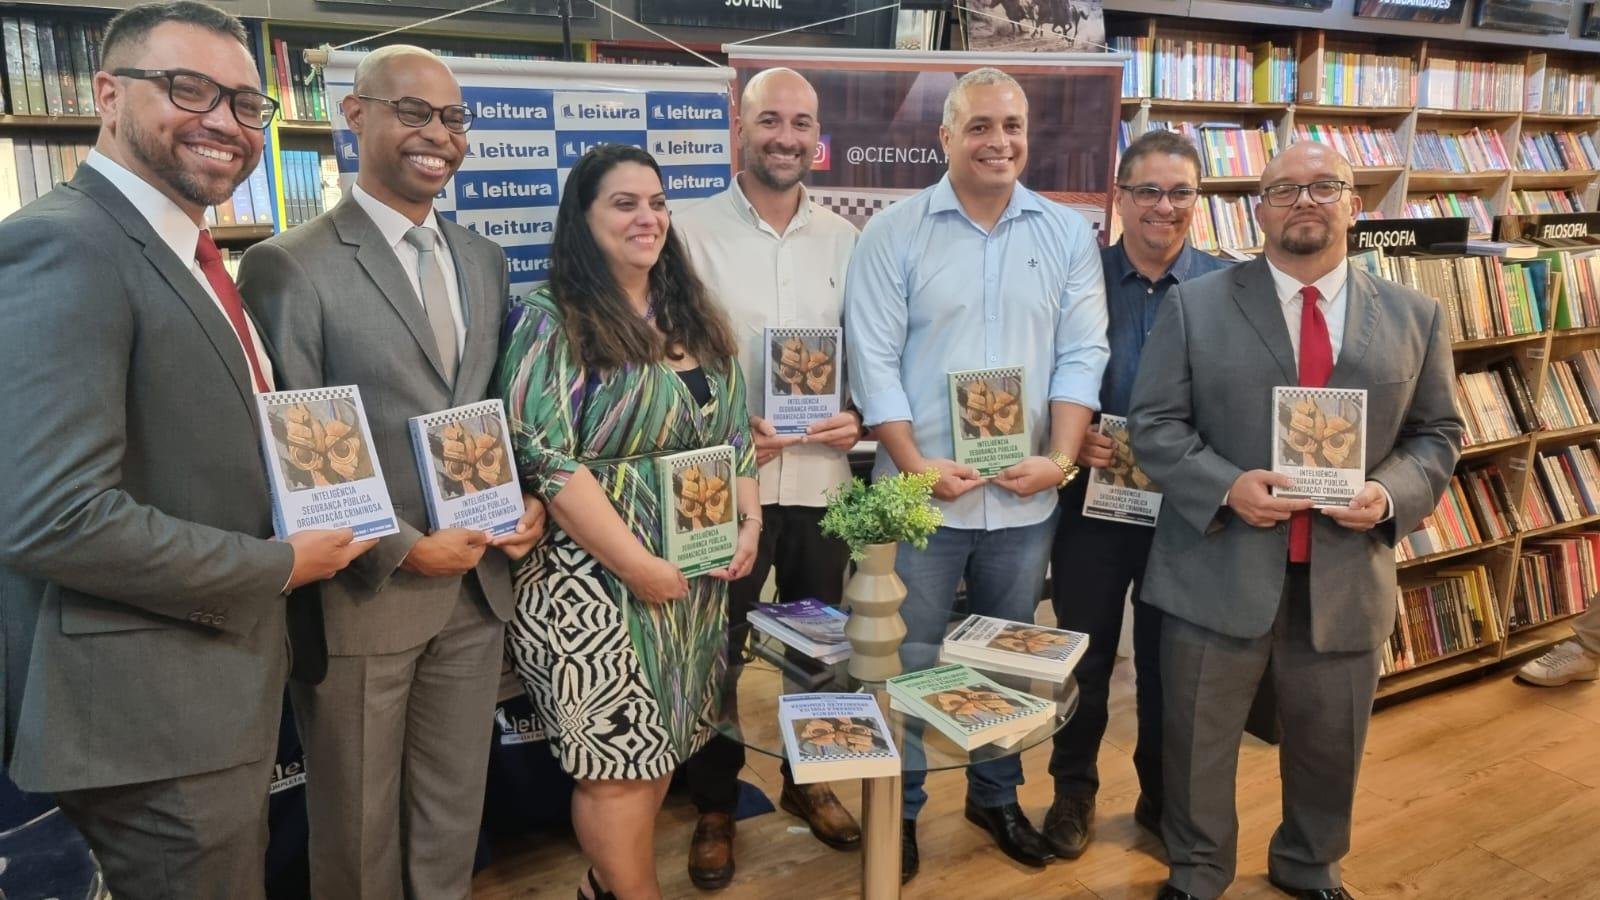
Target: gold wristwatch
1069,469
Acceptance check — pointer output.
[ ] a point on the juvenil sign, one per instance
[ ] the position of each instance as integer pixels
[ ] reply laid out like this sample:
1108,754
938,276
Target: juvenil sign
753,15
1406,237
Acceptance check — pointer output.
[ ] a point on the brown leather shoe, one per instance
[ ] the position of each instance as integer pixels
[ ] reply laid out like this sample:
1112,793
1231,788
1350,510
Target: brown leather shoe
711,851
830,822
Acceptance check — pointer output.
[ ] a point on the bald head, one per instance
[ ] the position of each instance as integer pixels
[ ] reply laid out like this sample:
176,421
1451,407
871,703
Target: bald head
1306,235
1308,155
375,73
768,86
777,130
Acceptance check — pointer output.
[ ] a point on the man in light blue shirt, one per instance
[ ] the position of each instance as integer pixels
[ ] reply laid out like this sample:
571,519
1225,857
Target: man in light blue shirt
977,272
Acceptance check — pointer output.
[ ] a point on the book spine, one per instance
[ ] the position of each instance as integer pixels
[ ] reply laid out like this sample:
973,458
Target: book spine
419,448
82,68
23,166
33,67
10,191
16,82
243,211
64,74
261,194
49,71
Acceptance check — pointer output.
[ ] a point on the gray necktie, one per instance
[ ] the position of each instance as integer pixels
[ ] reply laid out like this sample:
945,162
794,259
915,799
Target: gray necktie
435,297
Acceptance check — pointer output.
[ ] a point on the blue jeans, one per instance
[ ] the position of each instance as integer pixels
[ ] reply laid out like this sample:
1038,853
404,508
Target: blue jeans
1004,572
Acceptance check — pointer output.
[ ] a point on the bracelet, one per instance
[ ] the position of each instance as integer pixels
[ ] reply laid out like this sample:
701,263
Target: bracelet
756,519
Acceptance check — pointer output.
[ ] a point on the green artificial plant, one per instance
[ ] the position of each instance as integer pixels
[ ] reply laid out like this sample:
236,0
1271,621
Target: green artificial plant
888,511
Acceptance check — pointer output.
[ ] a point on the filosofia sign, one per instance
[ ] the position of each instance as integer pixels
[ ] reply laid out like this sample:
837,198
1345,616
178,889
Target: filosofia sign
753,15
1547,227
1406,237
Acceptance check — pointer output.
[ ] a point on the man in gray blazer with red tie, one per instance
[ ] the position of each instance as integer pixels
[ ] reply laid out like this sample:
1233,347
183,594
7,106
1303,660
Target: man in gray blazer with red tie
135,517
1246,577
384,293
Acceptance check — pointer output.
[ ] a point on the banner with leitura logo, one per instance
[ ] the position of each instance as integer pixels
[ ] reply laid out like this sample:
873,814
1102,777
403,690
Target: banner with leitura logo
881,109
532,121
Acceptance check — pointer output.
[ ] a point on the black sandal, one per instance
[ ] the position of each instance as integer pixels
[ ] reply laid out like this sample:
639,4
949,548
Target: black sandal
594,888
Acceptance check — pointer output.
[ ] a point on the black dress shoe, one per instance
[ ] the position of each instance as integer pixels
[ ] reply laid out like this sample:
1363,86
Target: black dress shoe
1066,825
1147,813
1012,832
909,860
1333,893
1168,892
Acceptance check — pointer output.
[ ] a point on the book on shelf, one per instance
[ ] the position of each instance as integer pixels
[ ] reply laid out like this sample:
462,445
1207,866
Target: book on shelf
1275,73
967,707
1483,296
836,737
1361,144
1557,151
1474,150
988,409
1479,247
802,384
1540,202
468,473
1186,69
1137,70
1225,221
1228,148
1451,526
321,463
1121,492
1572,389
809,626
698,501
1558,90
1569,480
1447,614
1556,576
1486,409
1351,78
1451,204
1014,648
307,192
1468,84
1320,443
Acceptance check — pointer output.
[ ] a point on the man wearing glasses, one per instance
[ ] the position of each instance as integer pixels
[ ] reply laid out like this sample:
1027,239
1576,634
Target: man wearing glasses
133,486
383,293
1246,578
1096,560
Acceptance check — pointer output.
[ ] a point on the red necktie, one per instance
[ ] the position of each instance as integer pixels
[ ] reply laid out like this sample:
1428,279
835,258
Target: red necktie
1316,364
210,259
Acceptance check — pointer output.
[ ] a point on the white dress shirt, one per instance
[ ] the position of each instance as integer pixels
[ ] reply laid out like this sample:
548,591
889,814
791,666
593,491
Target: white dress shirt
393,225
178,232
769,280
1333,304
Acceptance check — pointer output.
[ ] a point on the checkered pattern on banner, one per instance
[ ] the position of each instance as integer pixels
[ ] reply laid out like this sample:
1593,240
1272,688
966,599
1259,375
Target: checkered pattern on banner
525,138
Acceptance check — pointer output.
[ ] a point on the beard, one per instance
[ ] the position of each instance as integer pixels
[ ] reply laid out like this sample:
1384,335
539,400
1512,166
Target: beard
1308,243
162,162
772,180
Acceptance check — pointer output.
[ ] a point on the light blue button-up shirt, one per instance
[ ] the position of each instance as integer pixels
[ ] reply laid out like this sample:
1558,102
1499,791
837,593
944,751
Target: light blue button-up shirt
930,292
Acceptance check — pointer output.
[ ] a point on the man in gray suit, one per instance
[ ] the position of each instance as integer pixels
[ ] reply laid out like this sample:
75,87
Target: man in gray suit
383,293
134,508
1246,577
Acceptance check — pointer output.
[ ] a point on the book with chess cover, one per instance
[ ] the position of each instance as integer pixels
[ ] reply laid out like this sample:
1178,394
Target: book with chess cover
802,384
699,528
832,737
1014,648
1319,439
1121,492
469,478
321,465
988,418
967,707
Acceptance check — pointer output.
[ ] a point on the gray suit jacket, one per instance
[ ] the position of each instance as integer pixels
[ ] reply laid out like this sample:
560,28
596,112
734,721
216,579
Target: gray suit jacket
132,492
1202,415
339,309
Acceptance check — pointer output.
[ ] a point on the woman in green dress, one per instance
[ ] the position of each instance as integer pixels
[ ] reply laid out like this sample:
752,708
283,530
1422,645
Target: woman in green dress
619,359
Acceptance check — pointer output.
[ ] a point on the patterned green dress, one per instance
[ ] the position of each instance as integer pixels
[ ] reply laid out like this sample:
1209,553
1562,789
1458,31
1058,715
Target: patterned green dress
621,686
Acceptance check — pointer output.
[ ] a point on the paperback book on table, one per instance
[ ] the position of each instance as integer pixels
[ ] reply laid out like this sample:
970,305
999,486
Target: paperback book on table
469,479
1121,492
1320,442
698,504
989,419
969,708
833,737
320,463
1014,648
802,384
810,626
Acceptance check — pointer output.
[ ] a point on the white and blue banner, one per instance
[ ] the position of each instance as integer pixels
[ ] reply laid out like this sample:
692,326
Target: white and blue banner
533,120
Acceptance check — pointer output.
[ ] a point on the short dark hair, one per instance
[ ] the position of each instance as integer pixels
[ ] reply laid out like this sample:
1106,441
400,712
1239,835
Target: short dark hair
1161,141
130,26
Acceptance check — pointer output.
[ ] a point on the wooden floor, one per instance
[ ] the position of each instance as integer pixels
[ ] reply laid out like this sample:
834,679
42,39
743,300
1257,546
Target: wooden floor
1489,790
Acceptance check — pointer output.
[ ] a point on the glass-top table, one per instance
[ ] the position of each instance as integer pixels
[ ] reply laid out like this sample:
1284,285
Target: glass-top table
749,714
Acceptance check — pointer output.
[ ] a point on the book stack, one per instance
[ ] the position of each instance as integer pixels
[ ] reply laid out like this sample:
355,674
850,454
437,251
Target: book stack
1474,150
1363,145
834,737
50,65
967,707
1275,73
1223,221
1450,204
1014,648
1492,406
1472,84
1227,148
1572,388
1448,614
1483,296
310,185
1557,151
1530,202
1451,526
809,626
1136,72
298,87
1351,78
1556,577
1183,69
1569,478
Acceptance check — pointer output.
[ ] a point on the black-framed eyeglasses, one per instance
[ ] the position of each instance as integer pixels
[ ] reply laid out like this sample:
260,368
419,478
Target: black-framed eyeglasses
1150,195
197,93
1320,191
415,112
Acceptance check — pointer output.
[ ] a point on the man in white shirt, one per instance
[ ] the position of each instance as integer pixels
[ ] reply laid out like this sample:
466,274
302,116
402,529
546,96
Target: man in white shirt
774,259
133,499
383,293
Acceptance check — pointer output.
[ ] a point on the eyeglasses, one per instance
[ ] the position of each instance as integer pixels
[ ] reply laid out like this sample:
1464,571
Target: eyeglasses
1320,191
196,93
414,112
1148,195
